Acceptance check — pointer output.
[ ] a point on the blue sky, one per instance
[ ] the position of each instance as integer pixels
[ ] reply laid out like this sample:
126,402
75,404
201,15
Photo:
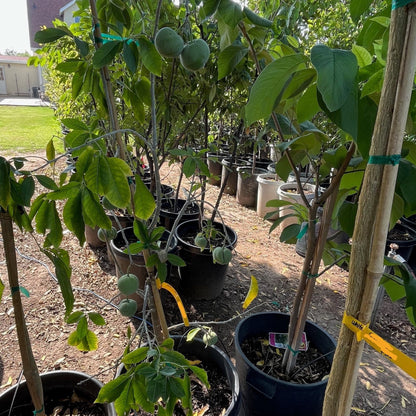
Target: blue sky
14,30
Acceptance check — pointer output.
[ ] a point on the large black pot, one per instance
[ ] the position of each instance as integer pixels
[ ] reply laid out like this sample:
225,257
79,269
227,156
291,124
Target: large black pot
215,167
201,278
247,185
230,166
263,395
56,384
168,213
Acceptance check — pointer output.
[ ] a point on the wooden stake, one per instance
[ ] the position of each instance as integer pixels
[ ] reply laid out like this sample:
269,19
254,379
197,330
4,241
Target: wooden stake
371,226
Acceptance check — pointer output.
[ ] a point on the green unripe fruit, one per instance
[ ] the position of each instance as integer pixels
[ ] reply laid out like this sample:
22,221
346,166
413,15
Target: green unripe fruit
200,241
195,55
106,235
221,255
128,284
128,307
168,43
256,19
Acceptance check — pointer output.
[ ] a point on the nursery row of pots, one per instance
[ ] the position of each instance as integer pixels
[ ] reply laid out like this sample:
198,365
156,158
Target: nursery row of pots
252,392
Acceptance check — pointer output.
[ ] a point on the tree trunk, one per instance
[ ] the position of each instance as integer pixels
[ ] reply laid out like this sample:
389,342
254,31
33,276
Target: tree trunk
30,369
371,226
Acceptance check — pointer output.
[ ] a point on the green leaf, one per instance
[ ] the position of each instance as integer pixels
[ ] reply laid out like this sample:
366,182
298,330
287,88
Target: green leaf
229,58
74,317
210,7
96,318
374,84
150,56
290,233
1,289
189,166
75,124
168,343
176,387
68,67
136,356
175,260
358,7
367,113
92,211
50,150
82,327
82,46
256,19
230,12
89,342
112,390
300,81
346,217
201,374
105,55
73,218
60,259
144,202
47,182
130,56
47,218
192,334
140,395
337,70
51,34
175,358
364,57
269,86
157,388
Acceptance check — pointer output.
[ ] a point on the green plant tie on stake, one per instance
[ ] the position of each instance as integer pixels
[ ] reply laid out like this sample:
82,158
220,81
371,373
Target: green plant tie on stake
303,230
21,289
35,412
384,160
400,3
294,352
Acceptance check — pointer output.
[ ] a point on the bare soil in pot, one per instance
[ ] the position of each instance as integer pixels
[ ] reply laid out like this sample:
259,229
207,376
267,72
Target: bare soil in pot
382,388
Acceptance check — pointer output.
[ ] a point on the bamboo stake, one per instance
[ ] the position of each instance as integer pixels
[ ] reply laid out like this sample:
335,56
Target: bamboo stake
366,266
30,369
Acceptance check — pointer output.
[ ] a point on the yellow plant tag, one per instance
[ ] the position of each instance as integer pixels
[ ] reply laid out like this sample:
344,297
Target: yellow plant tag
252,292
363,332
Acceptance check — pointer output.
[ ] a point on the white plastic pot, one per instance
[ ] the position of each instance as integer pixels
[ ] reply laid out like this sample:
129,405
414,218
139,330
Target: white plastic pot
288,192
267,190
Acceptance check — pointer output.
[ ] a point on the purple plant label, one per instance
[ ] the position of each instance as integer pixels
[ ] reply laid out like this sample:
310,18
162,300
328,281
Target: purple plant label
280,340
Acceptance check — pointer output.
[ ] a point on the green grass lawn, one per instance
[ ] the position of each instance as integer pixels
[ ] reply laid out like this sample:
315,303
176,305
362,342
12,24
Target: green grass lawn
28,129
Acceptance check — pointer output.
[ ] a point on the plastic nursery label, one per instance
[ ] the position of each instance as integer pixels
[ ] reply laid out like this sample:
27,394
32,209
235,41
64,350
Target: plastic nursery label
279,340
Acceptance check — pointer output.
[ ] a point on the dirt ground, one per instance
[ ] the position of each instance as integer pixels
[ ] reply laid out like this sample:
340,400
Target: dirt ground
382,388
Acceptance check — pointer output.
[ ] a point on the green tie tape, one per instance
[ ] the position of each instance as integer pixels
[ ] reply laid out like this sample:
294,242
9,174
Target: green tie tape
400,3
21,289
384,160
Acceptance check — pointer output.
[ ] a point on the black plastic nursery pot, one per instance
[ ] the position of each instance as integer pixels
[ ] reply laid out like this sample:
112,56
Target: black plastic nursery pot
405,237
171,208
56,385
263,395
215,167
214,357
201,278
230,166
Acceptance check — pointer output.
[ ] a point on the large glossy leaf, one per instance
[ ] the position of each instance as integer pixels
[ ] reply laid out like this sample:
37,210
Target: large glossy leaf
72,215
60,259
230,12
105,55
144,202
107,176
130,55
270,85
364,57
229,58
367,113
51,34
358,7
47,218
92,211
210,7
300,81
112,390
308,104
150,56
337,71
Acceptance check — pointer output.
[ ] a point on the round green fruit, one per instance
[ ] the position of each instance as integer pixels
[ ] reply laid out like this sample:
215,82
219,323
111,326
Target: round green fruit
168,43
200,241
128,307
128,284
195,55
106,235
221,255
